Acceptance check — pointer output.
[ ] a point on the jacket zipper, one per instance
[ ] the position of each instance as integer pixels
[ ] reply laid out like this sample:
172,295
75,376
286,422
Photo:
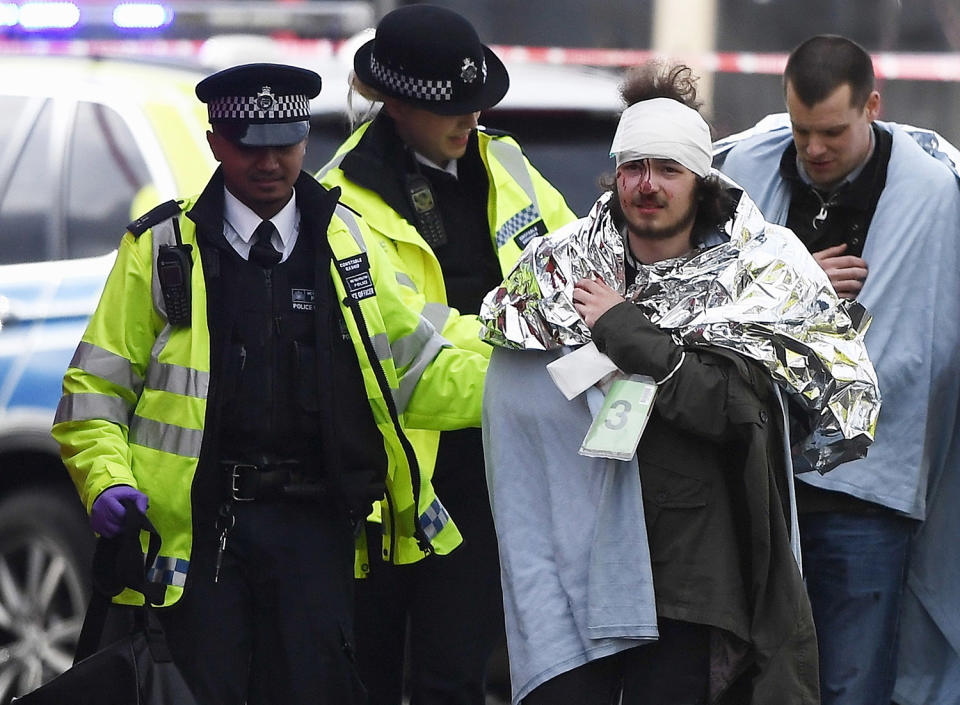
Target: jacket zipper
271,355
414,466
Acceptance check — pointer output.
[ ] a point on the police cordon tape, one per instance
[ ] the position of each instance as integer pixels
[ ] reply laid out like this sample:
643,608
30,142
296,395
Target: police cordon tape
903,66
888,65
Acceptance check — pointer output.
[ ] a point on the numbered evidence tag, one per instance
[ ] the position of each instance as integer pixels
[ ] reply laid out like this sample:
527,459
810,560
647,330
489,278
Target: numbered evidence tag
616,430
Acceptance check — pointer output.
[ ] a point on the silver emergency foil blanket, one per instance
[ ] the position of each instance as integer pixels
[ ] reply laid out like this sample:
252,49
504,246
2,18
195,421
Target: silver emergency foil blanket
760,294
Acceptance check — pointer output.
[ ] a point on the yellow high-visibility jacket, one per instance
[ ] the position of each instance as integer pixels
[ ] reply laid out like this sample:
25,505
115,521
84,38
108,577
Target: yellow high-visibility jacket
135,395
521,204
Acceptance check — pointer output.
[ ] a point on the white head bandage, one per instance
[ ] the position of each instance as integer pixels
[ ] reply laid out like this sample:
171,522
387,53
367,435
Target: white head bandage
663,128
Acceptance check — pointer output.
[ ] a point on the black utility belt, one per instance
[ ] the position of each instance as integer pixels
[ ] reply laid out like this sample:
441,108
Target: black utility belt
246,482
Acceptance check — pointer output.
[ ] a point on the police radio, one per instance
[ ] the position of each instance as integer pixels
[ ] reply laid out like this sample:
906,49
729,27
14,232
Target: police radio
426,210
174,265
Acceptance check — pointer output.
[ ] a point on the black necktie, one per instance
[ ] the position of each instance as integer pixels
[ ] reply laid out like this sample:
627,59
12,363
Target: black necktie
262,251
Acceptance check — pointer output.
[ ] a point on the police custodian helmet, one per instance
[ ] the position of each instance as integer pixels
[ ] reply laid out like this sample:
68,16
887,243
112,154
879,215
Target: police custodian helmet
432,57
260,105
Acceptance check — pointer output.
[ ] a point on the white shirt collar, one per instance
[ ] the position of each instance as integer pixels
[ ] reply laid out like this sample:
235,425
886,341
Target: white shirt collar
450,168
244,221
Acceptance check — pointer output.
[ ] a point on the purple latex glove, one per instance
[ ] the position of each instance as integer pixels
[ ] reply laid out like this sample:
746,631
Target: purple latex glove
106,515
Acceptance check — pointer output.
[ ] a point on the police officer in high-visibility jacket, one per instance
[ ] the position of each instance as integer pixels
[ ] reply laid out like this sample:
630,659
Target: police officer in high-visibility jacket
248,374
452,205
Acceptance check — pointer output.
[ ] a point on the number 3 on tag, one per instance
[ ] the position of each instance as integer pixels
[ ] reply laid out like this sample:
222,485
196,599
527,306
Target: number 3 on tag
619,425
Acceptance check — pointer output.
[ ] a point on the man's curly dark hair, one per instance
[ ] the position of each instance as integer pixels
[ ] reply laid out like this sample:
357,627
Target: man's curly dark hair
658,79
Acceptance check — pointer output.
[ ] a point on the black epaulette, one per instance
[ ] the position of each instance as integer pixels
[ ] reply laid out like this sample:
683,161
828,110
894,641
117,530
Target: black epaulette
154,216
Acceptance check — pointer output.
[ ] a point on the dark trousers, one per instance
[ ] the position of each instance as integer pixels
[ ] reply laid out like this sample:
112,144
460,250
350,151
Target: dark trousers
855,568
277,627
674,670
449,609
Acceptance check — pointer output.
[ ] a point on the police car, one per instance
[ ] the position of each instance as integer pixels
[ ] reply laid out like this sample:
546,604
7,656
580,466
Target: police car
86,145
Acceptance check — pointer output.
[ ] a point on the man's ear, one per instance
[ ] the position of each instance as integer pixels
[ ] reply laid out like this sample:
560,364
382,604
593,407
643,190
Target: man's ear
873,106
213,140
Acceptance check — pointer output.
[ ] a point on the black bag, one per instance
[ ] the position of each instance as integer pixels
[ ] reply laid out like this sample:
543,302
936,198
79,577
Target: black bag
137,669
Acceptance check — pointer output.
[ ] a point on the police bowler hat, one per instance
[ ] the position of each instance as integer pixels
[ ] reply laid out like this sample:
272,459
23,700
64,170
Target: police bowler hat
432,57
260,105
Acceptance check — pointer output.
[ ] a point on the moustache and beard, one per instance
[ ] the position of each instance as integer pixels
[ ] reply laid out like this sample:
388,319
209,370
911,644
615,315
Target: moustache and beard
654,232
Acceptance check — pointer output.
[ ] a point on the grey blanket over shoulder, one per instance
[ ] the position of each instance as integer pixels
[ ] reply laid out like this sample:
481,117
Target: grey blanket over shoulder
553,507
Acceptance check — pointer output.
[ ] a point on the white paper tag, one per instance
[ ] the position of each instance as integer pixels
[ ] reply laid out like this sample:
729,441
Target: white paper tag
617,428
578,371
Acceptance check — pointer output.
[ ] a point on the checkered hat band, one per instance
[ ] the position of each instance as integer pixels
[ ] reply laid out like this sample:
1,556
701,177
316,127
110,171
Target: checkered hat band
235,107
409,86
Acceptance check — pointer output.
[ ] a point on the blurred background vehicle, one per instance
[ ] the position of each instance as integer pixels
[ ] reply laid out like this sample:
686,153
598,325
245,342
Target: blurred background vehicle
84,143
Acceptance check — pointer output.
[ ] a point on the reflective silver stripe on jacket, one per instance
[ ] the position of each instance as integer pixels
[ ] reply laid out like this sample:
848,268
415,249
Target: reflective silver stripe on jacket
435,312
513,161
414,351
104,364
381,344
438,314
86,406
409,347
177,379
403,279
160,376
144,432
350,220
419,348
166,437
330,165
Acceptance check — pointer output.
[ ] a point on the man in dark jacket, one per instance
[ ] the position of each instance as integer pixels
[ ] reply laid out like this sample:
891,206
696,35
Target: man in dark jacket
733,621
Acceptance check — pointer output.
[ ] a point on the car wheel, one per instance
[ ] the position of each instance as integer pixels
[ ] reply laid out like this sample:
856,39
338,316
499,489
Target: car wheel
45,551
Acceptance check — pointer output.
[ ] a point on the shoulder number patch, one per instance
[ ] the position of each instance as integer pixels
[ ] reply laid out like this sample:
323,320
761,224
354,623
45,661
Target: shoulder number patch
355,272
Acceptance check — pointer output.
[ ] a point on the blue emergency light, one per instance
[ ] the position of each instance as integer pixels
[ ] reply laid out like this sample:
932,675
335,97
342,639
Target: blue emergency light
141,15
34,16
46,15
86,19
9,14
